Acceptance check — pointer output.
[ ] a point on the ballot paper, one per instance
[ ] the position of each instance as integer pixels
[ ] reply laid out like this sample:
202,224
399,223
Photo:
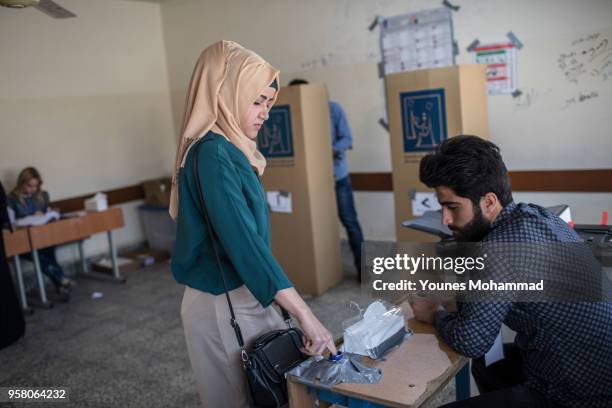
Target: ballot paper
377,325
279,201
32,220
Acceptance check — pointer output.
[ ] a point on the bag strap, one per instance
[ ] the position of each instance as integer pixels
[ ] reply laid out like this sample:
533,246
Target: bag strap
213,239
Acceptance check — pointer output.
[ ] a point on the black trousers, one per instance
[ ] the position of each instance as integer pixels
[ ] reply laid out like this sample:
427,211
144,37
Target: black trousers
501,385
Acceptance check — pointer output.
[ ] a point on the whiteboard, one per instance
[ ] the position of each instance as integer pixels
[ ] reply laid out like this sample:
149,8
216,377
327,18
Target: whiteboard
560,121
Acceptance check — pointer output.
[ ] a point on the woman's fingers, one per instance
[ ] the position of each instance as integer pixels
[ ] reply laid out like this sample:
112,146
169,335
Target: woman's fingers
332,347
316,337
318,345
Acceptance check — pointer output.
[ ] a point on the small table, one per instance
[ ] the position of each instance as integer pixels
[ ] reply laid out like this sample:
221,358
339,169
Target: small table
408,377
32,239
17,243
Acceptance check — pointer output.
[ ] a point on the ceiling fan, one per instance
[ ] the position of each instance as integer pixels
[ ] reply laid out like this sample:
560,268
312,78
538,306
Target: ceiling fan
46,6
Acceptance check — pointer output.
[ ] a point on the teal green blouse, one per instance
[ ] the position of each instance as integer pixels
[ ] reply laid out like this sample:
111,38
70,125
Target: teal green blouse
236,205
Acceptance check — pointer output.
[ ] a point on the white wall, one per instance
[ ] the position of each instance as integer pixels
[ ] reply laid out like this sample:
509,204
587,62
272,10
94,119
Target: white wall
86,101
95,102
329,41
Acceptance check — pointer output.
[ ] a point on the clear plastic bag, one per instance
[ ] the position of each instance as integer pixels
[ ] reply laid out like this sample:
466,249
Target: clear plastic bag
342,368
375,330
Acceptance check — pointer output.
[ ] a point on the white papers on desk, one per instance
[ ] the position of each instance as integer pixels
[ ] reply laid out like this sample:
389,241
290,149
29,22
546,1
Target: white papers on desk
73,214
279,201
32,220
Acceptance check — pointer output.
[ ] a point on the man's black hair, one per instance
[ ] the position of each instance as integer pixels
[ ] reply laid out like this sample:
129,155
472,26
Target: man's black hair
298,81
470,166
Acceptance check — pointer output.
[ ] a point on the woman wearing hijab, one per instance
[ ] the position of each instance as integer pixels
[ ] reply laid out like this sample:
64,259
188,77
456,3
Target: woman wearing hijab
231,91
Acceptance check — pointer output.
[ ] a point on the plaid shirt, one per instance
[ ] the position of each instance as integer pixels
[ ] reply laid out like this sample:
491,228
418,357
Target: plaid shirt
566,348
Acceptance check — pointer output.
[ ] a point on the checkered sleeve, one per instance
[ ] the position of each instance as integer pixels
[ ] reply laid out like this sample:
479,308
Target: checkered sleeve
472,330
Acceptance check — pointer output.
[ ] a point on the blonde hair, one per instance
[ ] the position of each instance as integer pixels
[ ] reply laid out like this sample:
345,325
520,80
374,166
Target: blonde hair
24,177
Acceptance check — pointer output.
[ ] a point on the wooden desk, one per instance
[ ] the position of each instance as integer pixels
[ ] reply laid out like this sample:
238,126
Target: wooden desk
18,243
58,232
75,230
412,374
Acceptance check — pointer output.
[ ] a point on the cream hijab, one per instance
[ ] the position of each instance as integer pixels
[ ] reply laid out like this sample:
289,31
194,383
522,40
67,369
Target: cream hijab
226,80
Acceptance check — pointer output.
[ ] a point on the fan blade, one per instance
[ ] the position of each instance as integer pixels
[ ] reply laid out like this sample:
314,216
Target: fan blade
53,9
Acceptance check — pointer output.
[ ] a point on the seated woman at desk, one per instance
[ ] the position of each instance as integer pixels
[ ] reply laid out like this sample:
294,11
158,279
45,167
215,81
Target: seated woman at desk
27,199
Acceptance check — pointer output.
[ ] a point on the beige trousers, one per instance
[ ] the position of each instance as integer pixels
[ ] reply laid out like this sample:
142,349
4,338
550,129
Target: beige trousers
212,345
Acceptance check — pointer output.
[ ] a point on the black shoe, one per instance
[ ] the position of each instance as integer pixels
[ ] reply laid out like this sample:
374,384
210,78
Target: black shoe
64,294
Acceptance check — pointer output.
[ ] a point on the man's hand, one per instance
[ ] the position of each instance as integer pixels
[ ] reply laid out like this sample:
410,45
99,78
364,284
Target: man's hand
424,310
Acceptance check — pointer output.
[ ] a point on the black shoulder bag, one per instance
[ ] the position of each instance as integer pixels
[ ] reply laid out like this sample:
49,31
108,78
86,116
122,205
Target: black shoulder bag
272,354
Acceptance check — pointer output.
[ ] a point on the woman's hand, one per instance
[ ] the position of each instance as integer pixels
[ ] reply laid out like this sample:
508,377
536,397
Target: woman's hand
316,337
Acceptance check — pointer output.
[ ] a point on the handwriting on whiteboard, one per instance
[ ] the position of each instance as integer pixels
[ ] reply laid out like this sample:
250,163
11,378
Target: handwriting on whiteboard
588,56
527,98
581,97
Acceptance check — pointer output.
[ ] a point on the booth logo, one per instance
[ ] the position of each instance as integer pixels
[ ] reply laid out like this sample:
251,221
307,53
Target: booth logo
423,120
275,138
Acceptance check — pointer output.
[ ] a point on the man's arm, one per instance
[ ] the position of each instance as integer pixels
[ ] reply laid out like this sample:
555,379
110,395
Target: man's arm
472,330
344,138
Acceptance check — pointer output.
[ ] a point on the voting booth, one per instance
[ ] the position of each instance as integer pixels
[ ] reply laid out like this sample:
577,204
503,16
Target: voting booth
425,108
299,186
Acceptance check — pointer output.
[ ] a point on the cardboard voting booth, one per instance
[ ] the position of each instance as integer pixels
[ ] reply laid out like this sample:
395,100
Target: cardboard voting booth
425,108
299,185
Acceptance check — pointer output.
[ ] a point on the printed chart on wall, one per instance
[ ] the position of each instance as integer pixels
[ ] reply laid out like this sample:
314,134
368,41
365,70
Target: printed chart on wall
500,60
417,41
275,139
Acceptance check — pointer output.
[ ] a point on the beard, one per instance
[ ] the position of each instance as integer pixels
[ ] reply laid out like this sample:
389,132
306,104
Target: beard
475,230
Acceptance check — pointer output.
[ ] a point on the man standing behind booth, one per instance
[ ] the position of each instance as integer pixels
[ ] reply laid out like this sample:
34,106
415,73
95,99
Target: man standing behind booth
342,140
561,354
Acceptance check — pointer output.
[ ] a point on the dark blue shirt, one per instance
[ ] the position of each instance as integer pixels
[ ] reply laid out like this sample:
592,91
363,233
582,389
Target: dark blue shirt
28,205
342,140
566,348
